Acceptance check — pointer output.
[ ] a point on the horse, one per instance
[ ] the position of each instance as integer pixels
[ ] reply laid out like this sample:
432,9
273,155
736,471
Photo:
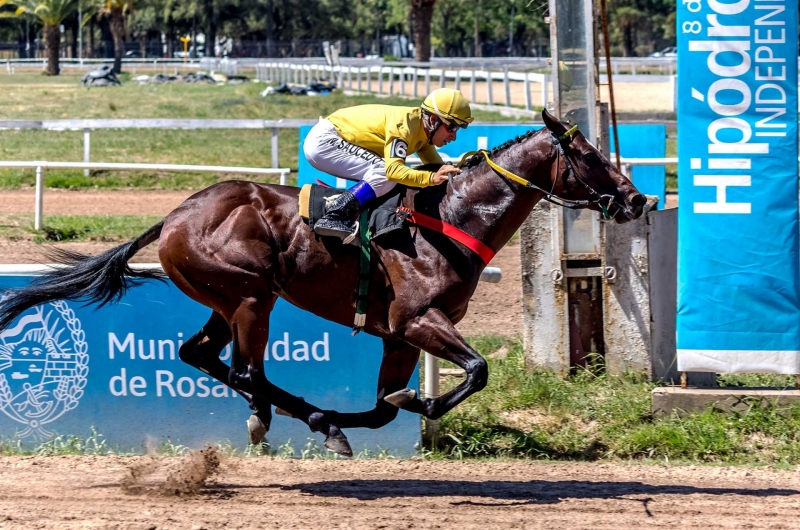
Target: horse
237,246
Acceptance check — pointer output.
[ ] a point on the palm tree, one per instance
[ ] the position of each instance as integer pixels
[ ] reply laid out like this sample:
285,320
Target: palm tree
51,13
116,11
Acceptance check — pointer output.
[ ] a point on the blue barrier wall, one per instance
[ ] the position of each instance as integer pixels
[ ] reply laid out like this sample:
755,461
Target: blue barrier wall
66,368
637,141
645,141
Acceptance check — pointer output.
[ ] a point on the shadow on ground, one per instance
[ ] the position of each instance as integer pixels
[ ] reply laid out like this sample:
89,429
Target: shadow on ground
530,492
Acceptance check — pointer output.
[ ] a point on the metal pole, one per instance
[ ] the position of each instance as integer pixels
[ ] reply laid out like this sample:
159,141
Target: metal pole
489,86
80,35
507,86
416,78
37,216
428,81
431,391
473,87
442,79
274,147
86,148
527,92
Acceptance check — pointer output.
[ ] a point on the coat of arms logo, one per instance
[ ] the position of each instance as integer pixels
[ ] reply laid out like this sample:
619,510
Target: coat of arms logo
42,373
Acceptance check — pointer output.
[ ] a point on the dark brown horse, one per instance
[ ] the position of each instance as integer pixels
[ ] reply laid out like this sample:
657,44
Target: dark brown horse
237,246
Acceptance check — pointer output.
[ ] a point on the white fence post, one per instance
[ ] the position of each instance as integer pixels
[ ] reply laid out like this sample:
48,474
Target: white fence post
358,78
507,86
473,87
380,80
369,79
489,87
402,81
527,92
442,79
86,148
431,391
428,81
275,147
38,213
458,79
545,91
415,77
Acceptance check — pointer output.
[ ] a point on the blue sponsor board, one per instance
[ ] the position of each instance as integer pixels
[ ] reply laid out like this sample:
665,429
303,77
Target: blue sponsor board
738,299
646,141
65,368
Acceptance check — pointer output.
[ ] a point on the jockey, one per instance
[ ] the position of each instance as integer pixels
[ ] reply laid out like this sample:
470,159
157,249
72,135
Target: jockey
370,143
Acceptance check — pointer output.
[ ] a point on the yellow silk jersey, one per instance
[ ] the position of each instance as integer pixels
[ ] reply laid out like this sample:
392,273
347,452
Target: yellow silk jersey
394,131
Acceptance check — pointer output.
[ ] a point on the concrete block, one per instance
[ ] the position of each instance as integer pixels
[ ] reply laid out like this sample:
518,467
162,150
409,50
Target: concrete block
665,400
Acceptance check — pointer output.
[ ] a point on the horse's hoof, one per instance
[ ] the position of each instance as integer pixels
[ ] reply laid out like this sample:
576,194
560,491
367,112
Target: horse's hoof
257,429
401,397
338,444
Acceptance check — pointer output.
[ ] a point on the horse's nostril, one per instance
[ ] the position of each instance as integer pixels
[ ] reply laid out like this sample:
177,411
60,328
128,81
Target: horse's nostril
638,200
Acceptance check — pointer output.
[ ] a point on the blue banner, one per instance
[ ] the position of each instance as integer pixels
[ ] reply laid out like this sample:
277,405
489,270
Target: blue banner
738,298
66,368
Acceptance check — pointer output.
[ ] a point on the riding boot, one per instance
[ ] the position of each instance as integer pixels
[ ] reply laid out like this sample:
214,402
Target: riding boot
340,215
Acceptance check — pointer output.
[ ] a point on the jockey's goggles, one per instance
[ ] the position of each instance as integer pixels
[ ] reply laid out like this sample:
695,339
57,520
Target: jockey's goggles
452,125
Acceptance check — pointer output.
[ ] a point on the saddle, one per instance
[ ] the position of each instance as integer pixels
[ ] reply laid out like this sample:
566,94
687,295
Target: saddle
382,214
378,219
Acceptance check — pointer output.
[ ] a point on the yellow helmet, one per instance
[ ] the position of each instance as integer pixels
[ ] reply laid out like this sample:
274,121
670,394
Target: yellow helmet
450,105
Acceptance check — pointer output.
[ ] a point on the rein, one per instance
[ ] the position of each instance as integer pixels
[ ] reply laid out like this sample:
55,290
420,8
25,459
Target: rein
604,201
484,252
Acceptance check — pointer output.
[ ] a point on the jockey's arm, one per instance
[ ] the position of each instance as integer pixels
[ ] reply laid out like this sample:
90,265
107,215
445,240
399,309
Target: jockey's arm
395,153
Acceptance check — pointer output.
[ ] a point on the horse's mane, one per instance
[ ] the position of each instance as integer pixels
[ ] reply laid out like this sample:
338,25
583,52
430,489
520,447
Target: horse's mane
476,160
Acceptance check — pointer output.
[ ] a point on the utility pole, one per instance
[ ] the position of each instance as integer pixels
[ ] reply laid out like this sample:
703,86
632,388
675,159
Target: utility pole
80,35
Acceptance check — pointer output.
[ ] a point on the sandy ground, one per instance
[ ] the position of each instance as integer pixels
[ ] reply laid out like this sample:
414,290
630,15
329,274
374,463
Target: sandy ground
628,97
495,308
170,493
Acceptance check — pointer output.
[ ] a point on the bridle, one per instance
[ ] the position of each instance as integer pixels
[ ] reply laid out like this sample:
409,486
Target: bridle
604,201
596,198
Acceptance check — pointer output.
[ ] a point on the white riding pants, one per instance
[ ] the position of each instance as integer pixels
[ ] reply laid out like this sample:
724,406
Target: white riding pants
329,152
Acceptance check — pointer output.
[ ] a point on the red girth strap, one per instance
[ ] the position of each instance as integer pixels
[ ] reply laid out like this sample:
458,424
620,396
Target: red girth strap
485,253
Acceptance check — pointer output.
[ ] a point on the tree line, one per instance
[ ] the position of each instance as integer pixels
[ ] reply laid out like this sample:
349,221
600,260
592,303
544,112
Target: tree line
475,28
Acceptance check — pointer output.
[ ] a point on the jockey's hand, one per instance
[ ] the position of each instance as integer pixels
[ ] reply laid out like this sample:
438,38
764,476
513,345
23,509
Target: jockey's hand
444,173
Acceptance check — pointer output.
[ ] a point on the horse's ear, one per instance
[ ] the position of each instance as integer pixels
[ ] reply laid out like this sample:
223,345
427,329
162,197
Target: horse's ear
555,126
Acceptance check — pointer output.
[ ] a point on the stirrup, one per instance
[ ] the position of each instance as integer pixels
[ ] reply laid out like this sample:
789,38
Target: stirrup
352,239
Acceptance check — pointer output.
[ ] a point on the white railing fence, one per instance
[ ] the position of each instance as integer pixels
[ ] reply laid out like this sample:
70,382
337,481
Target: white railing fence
408,81
40,166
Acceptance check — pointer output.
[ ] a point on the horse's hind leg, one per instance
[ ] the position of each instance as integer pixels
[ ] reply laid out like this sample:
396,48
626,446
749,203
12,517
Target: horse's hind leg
203,350
250,324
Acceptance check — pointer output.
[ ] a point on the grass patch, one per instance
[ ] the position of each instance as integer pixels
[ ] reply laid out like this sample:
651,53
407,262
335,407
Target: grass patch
34,97
595,416
60,228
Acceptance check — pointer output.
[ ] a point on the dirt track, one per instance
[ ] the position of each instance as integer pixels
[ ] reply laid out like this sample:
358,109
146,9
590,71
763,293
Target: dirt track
88,492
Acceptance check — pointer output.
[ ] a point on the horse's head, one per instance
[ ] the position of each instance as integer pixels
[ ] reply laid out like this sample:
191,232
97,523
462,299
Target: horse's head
582,173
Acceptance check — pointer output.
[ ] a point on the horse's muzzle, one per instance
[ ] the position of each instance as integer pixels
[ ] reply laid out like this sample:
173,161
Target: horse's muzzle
633,208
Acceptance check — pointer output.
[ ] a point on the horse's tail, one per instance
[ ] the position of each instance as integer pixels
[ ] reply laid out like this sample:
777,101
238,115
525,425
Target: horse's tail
94,279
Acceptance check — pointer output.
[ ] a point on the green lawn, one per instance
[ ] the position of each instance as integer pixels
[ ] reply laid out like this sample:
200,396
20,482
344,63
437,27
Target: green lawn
33,96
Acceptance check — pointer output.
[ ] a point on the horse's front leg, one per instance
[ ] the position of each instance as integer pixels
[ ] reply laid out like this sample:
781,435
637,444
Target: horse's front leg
434,333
